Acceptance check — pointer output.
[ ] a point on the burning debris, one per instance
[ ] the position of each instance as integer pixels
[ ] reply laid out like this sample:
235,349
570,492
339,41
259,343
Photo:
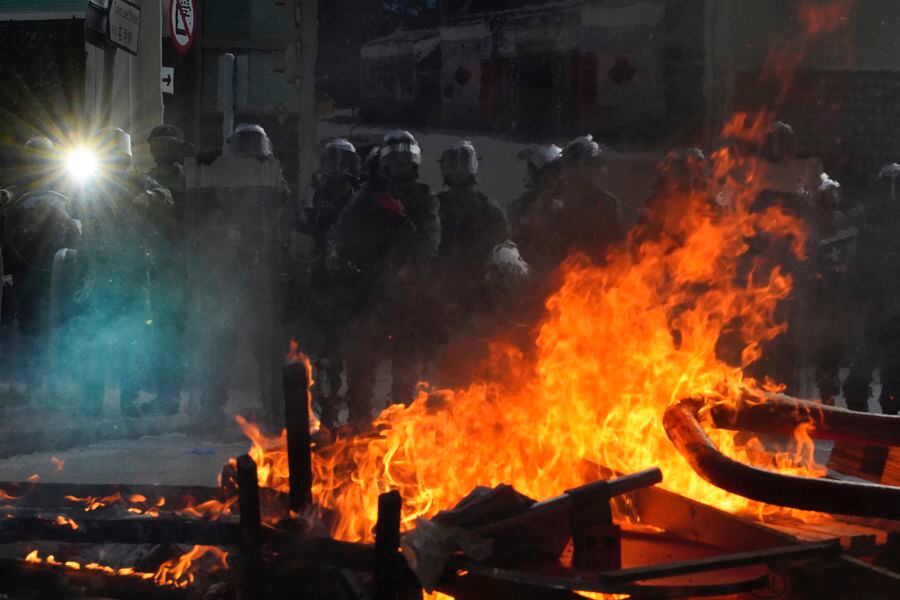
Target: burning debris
641,425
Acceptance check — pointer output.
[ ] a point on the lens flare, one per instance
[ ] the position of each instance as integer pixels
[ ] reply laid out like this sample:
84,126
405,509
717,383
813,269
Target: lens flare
81,164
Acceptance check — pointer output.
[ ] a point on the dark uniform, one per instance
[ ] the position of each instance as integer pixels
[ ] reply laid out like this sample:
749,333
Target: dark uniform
580,217
542,177
873,290
38,225
472,225
792,185
384,245
168,276
35,225
682,180
324,304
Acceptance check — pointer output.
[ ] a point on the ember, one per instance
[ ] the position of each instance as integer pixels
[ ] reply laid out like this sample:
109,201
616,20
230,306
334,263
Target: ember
178,572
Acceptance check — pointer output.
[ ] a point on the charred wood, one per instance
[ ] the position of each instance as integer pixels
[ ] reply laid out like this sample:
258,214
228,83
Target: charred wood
54,495
296,409
137,530
597,493
54,581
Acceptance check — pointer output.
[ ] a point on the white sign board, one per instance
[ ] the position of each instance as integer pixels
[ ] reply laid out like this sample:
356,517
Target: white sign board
124,25
182,15
167,80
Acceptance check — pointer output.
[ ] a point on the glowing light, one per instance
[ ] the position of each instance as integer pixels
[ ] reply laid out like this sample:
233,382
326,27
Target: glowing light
81,164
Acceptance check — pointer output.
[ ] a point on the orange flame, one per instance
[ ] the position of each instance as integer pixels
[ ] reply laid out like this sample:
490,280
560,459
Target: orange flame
211,509
294,356
91,503
178,572
66,522
134,504
619,344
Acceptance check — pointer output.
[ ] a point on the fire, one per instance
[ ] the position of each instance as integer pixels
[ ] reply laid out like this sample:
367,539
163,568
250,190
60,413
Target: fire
135,504
66,522
211,509
294,356
58,464
619,344
178,572
91,503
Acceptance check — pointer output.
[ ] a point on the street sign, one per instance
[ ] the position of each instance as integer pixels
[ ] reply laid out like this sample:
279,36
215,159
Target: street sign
182,19
124,25
167,80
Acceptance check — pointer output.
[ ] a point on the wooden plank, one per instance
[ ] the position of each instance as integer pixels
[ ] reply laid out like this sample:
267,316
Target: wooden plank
598,491
137,530
53,495
387,544
715,563
251,526
51,581
549,582
697,521
296,411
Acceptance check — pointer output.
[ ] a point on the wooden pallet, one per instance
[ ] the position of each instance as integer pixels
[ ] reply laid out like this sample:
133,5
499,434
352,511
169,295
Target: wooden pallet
872,463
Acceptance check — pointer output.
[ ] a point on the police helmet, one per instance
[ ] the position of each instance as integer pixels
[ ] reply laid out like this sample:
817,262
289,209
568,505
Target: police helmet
683,168
582,150
542,160
339,157
167,143
250,140
40,144
38,151
114,146
399,147
461,159
780,142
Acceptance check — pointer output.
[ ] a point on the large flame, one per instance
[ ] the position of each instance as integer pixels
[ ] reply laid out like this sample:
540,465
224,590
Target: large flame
619,344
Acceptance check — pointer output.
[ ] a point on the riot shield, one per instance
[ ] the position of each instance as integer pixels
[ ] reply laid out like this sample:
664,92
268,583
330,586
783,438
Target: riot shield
234,211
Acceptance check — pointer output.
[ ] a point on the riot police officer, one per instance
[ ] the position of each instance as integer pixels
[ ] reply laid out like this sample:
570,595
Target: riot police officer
120,210
36,226
335,184
472,225
873,293
237,276
168,275
682,184
384,245
543,170
799,187
580,217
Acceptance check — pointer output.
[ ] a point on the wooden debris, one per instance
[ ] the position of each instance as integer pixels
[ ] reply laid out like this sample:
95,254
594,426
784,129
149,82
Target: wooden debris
296,408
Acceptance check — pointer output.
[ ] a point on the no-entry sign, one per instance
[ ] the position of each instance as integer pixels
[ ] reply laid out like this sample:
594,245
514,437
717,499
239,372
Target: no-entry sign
182,24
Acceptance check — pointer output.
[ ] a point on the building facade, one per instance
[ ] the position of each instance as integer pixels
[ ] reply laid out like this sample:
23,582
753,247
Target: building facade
54,77
617,68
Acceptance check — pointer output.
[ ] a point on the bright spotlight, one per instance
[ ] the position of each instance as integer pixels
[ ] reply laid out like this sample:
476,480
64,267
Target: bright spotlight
81,164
